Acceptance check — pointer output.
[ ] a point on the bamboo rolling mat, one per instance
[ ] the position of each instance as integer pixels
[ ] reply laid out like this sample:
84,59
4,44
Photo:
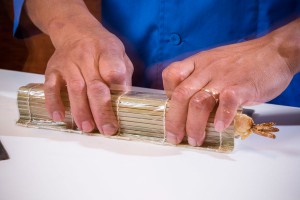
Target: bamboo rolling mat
141,114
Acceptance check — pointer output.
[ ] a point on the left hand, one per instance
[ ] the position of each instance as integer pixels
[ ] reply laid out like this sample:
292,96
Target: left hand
242,74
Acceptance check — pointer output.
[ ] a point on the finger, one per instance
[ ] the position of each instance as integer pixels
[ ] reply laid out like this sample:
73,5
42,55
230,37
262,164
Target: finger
175,73
128,78
179,103
112,68
99,93
100,103
231,98
54,105
78,100
200,107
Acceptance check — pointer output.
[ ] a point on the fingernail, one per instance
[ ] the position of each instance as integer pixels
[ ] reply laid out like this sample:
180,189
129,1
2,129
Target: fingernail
87,126
109,129
171,138
192,141
57,116
219,126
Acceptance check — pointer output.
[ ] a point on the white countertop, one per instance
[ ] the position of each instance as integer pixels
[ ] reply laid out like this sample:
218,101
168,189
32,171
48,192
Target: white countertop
48,165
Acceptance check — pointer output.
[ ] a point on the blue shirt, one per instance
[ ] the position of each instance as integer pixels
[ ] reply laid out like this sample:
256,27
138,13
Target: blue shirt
158,32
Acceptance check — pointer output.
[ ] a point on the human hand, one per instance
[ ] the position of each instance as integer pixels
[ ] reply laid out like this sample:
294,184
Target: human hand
245,73
88,59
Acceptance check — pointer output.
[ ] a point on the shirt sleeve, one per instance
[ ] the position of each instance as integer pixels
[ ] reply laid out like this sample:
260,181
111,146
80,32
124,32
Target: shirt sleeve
23,26
18,5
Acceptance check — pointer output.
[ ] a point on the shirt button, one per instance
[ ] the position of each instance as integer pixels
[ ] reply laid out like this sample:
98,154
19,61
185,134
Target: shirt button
175,39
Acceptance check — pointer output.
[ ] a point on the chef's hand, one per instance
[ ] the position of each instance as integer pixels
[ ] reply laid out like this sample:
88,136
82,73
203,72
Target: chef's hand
87,58
240,74
88,61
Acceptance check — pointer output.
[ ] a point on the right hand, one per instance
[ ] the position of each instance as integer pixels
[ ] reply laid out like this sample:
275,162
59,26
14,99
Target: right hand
89,60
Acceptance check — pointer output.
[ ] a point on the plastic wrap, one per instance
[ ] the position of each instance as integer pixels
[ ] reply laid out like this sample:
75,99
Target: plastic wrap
141,114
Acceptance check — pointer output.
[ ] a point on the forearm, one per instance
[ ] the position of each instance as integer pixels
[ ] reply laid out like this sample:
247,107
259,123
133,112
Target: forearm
286,40
61,19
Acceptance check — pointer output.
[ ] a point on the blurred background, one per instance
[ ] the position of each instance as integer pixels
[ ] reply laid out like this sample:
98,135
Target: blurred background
29,50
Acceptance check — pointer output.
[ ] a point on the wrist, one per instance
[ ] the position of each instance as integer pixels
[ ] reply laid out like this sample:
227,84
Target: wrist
286,41
73,26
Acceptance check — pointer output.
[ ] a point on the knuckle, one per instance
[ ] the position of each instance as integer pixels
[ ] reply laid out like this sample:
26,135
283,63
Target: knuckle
173,72
84,56
96,87
228,95
49,87
175,127
115,76
201,102
167,74
51,83
181,94
77,87
229,101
